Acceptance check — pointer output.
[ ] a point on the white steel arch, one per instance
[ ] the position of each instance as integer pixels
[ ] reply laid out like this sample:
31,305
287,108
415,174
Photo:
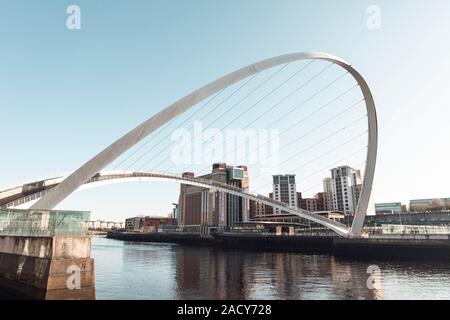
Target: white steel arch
123,144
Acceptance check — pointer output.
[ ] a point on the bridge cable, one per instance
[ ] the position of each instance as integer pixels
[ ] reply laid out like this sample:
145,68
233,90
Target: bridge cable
324,154
166,126
271,92
313,145
218,105
310,115
301,104
235,104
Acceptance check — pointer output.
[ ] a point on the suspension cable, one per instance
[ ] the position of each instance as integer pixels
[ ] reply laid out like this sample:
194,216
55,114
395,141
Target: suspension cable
283,99
273,75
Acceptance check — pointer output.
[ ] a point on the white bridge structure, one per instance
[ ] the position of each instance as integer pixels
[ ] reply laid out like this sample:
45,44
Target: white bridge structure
50,193
37,190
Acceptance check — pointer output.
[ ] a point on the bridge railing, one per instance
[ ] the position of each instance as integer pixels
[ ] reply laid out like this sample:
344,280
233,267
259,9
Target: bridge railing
197,180
176,177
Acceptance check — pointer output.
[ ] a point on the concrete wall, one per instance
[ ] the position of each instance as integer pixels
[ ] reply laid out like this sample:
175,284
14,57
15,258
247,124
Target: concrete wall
41,267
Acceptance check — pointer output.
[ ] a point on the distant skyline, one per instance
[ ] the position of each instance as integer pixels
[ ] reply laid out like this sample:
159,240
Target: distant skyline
67,94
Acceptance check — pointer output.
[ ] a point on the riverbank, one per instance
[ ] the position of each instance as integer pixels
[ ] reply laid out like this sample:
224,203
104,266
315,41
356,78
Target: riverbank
395,246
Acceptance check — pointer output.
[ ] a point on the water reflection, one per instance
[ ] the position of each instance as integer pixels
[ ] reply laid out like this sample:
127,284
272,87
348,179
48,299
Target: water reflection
218,274
126,270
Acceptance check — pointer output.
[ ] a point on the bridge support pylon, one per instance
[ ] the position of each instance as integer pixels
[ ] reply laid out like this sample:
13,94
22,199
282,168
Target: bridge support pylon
46,255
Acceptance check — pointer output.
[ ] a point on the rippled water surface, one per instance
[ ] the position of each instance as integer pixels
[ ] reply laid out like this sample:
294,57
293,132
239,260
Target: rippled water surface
130,270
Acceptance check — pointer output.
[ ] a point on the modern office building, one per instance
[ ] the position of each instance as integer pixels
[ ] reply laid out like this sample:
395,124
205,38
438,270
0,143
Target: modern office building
388,208
285,190
203,209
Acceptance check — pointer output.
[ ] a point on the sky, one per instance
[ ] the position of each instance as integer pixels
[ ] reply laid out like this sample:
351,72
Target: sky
67,94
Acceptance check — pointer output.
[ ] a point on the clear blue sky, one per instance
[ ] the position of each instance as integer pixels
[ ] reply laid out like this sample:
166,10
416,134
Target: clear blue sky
64,95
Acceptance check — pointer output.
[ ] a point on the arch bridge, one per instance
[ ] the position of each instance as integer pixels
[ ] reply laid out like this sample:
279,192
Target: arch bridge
88,173
30,192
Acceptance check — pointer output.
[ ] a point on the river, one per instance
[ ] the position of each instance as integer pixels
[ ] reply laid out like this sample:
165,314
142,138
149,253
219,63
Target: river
131,270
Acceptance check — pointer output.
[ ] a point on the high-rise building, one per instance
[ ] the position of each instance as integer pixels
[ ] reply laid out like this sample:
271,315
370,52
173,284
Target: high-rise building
284,190
345,188
328,194
201,209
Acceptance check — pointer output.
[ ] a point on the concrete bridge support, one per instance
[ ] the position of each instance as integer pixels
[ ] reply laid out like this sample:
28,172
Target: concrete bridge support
46,256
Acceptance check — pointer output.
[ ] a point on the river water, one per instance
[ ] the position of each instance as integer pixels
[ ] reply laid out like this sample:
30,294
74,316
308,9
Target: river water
130,270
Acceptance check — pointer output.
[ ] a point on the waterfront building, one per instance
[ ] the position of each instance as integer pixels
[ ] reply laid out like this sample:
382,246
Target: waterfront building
427,205
328,194
257,209
202,210
309,204
152,224
441,218
99,225
320,201
388,207
414,229
312,204
285,190
147,224
134,224
346,186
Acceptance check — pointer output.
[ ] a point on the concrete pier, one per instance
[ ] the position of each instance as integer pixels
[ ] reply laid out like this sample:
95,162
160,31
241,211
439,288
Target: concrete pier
46,255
